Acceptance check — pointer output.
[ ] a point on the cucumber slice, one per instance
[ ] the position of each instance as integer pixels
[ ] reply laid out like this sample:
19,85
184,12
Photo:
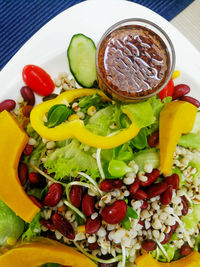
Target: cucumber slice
81,55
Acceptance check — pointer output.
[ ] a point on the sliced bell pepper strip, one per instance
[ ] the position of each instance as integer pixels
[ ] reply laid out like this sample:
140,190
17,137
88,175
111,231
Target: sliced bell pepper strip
76,128
176,118
167,90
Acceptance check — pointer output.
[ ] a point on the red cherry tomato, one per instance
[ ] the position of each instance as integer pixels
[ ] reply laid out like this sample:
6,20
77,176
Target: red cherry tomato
38,80
167,90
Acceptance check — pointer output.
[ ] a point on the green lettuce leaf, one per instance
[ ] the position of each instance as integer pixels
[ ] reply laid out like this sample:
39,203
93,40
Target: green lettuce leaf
142,113
39,150
88,101
140,141
100,123
10,224
191,219
157,105
148,155
161,257
36,155
34,228
191,140
69,159
197,243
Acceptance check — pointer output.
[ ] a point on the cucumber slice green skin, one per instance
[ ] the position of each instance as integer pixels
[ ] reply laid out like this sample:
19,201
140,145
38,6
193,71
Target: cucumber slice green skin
81,56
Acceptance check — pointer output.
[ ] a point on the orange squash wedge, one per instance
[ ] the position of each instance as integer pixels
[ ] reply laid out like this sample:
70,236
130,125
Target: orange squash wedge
176,118
12,142
192,260
43,251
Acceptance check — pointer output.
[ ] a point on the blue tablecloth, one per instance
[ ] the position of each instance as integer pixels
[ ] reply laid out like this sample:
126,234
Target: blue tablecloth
20,19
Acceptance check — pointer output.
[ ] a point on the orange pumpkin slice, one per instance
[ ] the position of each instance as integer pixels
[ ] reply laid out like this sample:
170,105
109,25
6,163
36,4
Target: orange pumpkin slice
12,142
192,260
44,251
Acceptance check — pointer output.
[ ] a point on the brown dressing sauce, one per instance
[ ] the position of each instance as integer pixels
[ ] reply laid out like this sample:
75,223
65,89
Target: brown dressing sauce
133,61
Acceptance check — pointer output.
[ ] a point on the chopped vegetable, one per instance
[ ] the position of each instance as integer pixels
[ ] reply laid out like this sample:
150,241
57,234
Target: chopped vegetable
126,223
131,213
11,226
34,228
42,251
191,140
148,155
38,80
118,168
167,90
57,114
81,55
12,192
176,118
68,160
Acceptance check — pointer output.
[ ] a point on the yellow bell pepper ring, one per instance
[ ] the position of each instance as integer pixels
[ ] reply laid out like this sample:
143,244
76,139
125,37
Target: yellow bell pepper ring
76,128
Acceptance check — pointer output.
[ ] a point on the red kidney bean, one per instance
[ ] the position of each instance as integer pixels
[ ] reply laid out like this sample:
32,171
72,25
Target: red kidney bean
49,97
166,197
173,227
117,183
151,177
110,184
114,213
173,180
168,235
35,178
75,195
134,186
92,226
26,110
185,250
63,226
88,205
140,195
180,90
48,224
106,186
7,104
54,195
28,95
185,205
93,246
153,139
144,205
28,149
191,100
156,189
36,201
149,245
23,173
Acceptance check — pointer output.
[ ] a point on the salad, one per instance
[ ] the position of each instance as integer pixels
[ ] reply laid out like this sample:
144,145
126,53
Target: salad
119,182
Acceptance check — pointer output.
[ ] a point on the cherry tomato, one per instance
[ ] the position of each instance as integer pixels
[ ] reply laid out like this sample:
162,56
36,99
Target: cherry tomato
167,90
38,80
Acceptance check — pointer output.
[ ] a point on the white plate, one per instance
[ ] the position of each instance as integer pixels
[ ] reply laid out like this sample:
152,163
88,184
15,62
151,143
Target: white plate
47,48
